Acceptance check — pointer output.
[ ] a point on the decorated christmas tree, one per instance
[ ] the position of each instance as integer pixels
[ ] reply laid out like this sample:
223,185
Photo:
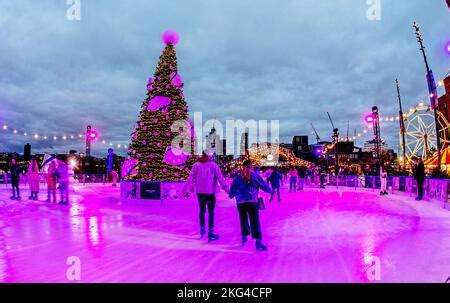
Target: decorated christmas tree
162,140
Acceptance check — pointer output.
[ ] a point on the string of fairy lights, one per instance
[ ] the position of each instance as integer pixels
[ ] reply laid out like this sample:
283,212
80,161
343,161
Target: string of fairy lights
367,129
5,128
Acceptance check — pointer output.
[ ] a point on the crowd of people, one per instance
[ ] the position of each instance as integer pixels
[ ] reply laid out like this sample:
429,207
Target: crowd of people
56,177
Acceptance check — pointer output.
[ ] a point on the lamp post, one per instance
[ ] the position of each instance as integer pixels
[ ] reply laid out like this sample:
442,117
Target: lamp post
91,135
88,141
432,89
374,118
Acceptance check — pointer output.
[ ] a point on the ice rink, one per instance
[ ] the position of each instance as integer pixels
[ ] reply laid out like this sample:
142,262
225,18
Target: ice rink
312,236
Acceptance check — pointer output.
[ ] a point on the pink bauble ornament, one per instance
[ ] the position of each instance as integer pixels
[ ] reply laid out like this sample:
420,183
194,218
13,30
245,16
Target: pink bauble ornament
165,170
175,156
152,156
157,103
145,127
176,79
167,117
170,36
168,134
155,134
144,142
159,144
144,164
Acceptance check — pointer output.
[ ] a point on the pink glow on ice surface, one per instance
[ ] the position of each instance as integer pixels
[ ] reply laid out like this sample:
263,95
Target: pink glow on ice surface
313,236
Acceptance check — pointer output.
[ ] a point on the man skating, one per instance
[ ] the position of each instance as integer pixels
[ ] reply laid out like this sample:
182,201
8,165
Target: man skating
15,179
205,175
419,176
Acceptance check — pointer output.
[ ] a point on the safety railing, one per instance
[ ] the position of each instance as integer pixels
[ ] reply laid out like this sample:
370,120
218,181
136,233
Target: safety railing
433,189
84,179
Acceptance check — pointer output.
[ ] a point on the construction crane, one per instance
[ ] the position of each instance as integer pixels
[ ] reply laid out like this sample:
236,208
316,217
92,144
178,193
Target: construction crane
335,130
348,131
335,144
315,132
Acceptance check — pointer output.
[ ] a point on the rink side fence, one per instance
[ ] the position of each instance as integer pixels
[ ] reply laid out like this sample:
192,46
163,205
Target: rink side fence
436,190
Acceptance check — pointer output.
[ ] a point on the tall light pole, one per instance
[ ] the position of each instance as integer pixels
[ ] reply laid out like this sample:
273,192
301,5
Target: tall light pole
88,140
91,135
374,119
432,89
402,124
377,134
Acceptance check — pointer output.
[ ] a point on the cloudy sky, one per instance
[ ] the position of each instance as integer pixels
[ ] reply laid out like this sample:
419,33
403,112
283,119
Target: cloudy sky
290,60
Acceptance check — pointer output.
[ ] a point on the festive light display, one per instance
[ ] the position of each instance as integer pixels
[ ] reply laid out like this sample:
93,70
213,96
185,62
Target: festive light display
263,156
163,118
46,138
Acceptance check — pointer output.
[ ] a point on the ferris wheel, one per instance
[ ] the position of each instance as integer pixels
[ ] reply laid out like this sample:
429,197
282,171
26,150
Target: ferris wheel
420,132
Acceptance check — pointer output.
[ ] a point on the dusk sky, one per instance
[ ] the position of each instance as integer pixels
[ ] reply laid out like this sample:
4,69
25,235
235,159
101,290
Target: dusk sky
290,60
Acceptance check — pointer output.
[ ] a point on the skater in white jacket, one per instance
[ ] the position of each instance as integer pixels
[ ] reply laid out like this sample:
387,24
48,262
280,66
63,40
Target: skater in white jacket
205,175
383,177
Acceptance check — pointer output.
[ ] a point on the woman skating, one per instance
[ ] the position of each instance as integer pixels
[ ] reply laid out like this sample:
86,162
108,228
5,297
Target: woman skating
33,179
245,188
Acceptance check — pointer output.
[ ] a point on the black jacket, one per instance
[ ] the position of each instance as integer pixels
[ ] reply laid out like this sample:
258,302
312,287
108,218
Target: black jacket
419,172
15,172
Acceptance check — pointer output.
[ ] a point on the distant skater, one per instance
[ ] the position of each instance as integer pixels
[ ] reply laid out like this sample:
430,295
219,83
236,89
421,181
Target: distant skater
275,179
62,172
51,182
301,177
322,178
245,188
383,177
205,175
15,171
419,176
33,179
293,177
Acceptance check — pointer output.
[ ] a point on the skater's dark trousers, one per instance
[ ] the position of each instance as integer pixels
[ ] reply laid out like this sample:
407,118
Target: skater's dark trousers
207,202
250,212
